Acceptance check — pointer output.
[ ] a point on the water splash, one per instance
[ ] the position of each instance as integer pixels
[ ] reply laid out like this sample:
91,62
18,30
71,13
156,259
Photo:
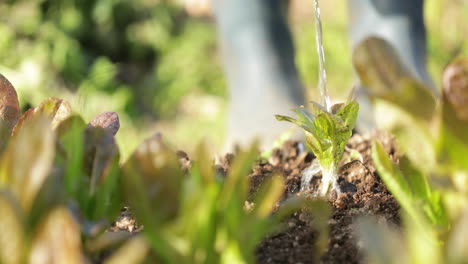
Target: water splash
322,84
308,173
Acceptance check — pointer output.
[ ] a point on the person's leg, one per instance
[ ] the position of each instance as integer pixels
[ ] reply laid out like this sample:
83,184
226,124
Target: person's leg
401,23
259,62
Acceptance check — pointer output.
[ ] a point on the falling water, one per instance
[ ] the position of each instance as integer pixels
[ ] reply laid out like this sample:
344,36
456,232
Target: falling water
322,84
315,167
308,173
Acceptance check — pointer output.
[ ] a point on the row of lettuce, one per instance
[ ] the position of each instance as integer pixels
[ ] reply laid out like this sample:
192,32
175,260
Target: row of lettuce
61,177
62,184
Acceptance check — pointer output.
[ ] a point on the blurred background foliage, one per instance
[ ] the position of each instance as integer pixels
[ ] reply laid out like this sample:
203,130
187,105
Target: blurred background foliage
156,62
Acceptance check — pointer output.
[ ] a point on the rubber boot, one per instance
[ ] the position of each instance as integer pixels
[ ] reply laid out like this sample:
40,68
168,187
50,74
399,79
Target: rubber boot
259,63
401,23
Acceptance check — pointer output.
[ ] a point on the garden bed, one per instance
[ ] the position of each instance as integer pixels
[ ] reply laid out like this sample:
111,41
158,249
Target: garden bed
363,193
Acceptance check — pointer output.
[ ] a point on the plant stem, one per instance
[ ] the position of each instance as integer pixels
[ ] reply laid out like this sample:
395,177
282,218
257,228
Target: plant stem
329,176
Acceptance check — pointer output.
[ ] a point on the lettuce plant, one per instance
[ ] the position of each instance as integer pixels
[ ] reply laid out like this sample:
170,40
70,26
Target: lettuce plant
57,176
408,110
326,133
431,178
61,184
198,217
327,129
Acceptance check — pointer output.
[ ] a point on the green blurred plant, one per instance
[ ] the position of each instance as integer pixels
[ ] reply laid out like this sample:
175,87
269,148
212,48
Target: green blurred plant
101,48
201,217
58,177
61,184
431,178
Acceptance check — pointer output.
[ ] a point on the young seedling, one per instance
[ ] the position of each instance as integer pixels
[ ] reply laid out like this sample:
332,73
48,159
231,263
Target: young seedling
326,135
327,129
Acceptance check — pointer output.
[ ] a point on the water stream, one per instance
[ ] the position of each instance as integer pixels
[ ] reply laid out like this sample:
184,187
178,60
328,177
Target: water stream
322,84
315,167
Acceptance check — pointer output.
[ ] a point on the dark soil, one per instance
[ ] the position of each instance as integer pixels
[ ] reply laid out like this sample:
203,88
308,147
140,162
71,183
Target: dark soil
126,222
363,193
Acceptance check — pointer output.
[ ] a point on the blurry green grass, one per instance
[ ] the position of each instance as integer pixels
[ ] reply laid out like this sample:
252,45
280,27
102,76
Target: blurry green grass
145,69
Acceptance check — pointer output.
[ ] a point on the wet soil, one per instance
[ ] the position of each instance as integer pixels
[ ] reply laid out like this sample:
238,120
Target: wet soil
363,193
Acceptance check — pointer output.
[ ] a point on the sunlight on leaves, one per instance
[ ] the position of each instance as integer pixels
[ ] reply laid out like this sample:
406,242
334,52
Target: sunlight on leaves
457,244
382,72
57,110
133,251
12,236
10,111
406,192
34,148
455,87
58,240
9,107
